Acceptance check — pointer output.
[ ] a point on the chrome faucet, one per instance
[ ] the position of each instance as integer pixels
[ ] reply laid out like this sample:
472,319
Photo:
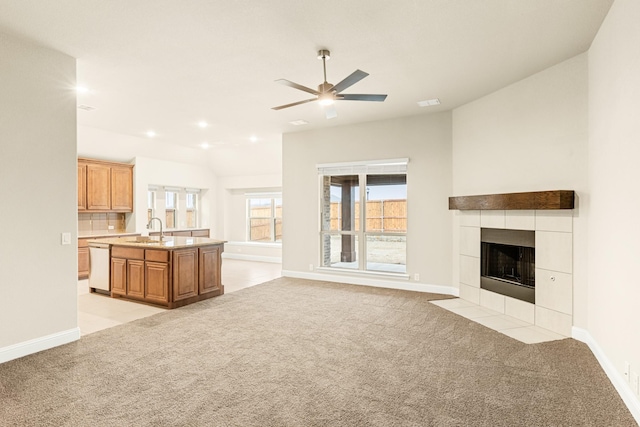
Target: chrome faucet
160,221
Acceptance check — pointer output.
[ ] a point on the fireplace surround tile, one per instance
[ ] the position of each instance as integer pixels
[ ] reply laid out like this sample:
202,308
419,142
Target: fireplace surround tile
554,290
521,310
470,293
470,241
492,301
520,220
492,219
469,218
555,321
555,220
554,251
469,268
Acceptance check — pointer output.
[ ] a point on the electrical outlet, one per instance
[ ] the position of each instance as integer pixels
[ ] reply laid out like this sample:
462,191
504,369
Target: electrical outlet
110,227
416,277
627,371
634,382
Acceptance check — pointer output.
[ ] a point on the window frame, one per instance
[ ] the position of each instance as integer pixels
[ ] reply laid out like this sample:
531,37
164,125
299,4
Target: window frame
362,170
273,217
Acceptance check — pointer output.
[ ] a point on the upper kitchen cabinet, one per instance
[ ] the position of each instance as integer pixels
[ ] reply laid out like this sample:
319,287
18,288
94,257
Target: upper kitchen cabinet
107,187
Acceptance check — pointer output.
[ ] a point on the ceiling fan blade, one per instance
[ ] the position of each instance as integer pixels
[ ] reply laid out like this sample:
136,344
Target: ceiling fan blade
352,79
330,112
359,97
294,104
297,86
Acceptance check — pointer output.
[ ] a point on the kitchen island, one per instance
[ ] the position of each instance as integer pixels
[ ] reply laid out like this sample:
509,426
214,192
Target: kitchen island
169,271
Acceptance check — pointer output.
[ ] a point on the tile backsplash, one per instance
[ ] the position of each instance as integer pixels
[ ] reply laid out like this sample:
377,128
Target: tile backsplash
100,222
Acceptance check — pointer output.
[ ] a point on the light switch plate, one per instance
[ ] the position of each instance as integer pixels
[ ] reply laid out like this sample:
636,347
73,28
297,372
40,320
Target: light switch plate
66,238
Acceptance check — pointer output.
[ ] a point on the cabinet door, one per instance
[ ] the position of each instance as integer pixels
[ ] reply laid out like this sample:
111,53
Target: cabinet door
135,278
98,187
119,276
83,263
156,276
185,274
181,233
209,269
121,189
82,186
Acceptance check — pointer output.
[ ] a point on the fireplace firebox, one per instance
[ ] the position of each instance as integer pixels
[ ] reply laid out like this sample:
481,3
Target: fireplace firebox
507,263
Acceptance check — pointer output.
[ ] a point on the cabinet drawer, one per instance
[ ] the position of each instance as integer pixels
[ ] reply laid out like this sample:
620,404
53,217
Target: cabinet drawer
182,233
200,233
156,255
129,253
83,243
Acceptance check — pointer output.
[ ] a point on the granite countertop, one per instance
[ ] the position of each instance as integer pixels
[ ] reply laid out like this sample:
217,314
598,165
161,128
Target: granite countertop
167,243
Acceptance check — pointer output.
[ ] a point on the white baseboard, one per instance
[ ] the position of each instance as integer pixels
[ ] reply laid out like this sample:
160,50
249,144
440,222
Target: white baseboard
617,379
259,258
371,281
25,348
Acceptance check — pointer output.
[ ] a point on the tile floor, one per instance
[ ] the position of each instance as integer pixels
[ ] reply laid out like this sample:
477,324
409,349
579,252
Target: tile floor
97,312
507,325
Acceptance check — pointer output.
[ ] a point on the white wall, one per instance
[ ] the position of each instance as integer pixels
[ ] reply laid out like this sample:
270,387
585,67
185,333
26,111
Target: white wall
529,136
614,174
424,139
38,287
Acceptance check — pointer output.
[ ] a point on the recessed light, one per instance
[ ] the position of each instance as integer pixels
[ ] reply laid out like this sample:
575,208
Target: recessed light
253,139
82,89
203,124
429,102
86,107
299,122
150,133
205,145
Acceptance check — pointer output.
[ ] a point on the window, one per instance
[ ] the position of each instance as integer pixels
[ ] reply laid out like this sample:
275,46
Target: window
171,209
264,218
151,204
191,207
364,216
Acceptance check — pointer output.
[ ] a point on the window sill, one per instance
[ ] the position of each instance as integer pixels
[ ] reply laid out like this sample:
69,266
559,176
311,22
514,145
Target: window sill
368,273
257,244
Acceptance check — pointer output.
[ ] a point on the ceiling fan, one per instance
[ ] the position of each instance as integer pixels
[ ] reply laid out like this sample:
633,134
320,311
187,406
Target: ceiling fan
327,93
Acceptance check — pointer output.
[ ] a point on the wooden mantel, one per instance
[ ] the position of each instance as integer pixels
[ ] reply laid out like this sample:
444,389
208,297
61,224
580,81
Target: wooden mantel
558,199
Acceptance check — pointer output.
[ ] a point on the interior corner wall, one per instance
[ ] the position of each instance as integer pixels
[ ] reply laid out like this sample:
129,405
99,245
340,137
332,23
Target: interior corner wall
614,174
530,136
424,139
38,278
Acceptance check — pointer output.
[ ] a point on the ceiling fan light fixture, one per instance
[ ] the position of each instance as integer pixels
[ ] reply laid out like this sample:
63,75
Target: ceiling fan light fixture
326,98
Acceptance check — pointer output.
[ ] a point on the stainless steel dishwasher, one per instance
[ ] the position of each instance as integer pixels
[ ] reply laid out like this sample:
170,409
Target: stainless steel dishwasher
99,267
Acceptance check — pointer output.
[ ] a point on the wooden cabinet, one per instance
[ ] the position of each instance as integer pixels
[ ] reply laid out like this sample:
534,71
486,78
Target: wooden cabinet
156,281
200,233
210,269
82,186
121,188
167,277
185,274
118,276
183,233
104,186
83,259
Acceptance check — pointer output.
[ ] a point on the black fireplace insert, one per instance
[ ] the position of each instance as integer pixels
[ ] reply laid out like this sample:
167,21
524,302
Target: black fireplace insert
508,263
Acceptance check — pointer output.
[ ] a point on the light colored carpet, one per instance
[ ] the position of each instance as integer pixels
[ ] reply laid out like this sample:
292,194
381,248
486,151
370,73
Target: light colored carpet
293,352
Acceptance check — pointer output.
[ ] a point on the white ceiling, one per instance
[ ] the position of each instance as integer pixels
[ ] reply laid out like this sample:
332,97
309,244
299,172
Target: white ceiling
167,64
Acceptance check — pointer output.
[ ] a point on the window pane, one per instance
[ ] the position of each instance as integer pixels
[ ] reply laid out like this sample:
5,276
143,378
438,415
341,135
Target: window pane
170,218
259,208
260,230
191,219
386,208
278,205
387,253
170,200
340,210
340,251
190,200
